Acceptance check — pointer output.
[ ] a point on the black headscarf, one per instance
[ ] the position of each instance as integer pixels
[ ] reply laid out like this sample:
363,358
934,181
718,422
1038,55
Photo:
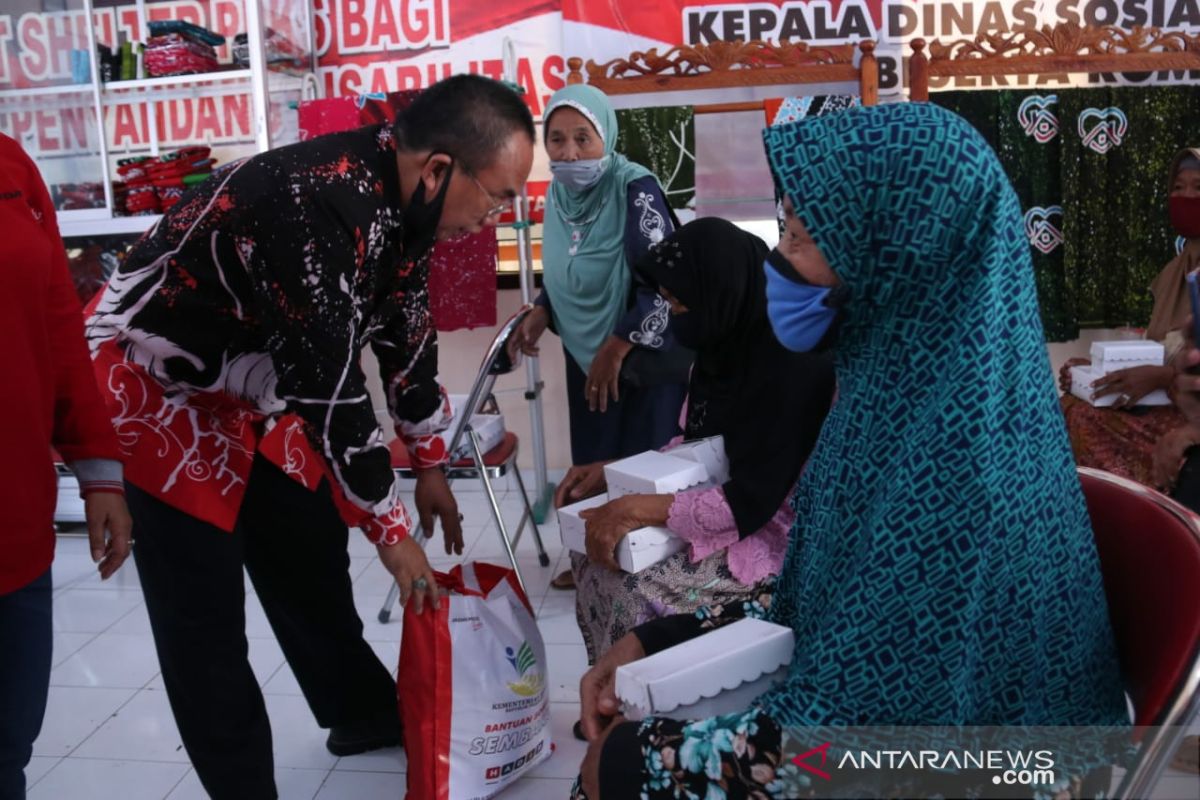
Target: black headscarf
767,401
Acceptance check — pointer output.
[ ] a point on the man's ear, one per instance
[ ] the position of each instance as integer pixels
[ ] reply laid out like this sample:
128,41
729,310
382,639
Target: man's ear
435,170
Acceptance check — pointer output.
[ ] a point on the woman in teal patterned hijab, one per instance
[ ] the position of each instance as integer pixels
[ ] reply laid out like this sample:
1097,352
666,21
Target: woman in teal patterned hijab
942,569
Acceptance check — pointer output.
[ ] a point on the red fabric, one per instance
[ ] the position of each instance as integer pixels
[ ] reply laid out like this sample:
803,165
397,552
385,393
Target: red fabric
462,273
50,397
1150,558
492,458
217,436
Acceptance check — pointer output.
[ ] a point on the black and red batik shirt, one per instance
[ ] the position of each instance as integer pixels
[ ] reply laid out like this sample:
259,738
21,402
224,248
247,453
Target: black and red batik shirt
235,326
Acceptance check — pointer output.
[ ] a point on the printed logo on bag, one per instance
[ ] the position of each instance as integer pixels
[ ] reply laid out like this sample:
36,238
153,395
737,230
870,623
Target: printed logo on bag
1102,129
1042,233
1036,118
493,773
529,679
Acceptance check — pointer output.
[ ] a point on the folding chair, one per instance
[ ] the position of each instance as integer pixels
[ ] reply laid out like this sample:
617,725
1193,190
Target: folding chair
1149,549
496,463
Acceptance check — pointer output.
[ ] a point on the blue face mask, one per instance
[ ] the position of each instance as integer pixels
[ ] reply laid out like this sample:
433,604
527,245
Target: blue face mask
802,314
579,175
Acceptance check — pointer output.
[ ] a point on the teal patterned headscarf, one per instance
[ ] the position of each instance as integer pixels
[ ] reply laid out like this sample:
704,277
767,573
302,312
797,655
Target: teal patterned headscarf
943,569
583,241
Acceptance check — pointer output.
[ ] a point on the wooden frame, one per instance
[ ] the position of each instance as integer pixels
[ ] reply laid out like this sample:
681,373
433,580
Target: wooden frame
1062,48
723,65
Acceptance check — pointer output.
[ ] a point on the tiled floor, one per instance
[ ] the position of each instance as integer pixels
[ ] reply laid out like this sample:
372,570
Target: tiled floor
109,733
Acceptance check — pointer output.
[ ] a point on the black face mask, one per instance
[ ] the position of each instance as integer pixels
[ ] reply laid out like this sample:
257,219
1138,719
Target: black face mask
421,218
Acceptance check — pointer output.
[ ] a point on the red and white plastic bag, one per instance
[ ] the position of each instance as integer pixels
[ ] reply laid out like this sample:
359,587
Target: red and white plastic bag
472,685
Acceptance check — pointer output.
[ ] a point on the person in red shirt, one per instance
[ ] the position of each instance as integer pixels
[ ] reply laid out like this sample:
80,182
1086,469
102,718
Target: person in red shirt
50,400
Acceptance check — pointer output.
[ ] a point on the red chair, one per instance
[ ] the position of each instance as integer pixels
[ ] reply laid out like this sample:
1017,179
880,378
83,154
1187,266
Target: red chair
1149,549
496,463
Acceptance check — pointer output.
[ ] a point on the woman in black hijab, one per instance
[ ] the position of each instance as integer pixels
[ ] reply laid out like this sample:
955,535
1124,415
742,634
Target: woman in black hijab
767,402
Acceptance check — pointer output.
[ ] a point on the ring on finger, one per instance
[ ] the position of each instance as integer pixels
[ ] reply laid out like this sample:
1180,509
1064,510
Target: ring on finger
420,584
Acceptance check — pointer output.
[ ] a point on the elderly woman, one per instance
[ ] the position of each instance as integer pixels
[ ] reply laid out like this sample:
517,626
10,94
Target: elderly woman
943,571
603,212
768,404
1111,438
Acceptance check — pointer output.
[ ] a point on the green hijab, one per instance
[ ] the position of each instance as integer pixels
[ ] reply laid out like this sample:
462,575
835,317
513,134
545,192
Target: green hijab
583,243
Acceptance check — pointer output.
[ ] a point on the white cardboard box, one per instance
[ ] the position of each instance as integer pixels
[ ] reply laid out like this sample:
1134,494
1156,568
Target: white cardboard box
639,549
710,452
1125,353
652,473
1081,387
718,673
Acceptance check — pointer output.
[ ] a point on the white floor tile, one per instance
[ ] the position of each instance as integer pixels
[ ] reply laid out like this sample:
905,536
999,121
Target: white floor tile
298,741
124,579
293,784
136,621
144,729
119,661
539,789
1177,787
37,768
567,665
282,682
92,611
103,779
557,621
389,759
362,786
67,644
374,579
568,751
73,714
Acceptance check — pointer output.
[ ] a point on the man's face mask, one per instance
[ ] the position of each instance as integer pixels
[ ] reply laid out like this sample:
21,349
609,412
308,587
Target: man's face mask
421,218
803,315
579,175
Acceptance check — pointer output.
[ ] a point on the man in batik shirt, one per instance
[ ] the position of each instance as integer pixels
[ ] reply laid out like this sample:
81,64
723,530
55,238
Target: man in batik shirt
228,346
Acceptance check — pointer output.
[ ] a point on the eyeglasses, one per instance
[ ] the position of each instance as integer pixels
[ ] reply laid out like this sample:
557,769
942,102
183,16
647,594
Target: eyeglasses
497,209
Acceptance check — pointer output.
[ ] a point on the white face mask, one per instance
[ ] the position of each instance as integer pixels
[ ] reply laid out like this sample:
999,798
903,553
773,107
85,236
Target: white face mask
579,175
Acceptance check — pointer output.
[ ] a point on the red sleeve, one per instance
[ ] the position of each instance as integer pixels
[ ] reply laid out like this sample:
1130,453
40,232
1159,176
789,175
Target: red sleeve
82,427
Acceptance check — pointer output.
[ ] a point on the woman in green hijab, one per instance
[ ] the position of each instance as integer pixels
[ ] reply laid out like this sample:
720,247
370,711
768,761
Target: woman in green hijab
942,569
603,212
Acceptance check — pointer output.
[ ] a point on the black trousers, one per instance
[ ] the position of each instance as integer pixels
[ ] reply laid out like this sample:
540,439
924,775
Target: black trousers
293,544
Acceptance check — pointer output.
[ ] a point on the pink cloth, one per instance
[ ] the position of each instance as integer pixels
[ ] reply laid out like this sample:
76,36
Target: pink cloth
703,518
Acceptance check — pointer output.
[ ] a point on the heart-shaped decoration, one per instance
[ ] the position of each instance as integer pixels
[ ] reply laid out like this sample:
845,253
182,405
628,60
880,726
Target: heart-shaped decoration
1042,233
1036,118
1102,129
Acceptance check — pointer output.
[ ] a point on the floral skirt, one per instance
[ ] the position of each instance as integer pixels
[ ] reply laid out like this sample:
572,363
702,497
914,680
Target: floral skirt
1121,442
610,604
747,756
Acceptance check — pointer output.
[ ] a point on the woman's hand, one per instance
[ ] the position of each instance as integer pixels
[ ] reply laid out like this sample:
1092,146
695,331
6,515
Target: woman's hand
581,483
604,377
1132,384
1064,374
608,524
525,337
1169,455
597,687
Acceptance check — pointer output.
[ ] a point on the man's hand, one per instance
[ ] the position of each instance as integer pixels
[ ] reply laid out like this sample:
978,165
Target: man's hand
604,376
109,530
580,483
525,338
406,561
434,498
